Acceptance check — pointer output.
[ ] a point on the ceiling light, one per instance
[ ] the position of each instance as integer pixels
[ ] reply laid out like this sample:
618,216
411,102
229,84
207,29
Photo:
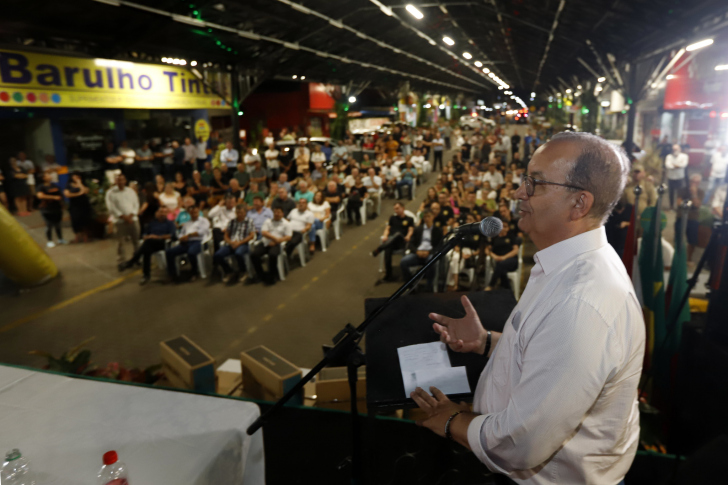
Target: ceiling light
428,105
164,59
579,86
670,76
442,106
303,77
467,55
295,76
601,79
506,86
568,91
698,45
599,88
415,13
605,103
352,99
448,40
721,67
486,70
183,62
193,63
533,95
478,64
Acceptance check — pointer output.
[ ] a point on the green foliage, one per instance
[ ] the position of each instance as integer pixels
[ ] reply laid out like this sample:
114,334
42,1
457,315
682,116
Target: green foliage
256,134
97,196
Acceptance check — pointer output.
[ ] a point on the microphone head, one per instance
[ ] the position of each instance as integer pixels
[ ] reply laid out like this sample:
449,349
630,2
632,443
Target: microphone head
491,226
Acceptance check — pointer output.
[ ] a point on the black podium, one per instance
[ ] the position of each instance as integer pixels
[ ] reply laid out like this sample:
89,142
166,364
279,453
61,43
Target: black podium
406,322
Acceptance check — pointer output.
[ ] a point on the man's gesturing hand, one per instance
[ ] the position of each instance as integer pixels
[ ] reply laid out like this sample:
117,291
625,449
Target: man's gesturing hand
463,334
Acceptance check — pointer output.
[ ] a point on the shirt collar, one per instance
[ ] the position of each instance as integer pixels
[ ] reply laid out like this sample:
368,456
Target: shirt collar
557,255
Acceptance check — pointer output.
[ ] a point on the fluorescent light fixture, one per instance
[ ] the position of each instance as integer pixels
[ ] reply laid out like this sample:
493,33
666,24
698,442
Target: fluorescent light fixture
295,76
193,63
248,35
599,88
336,24
721,67
182,62
291,45
303,77
533,95
491,75
448,40
601,79
467,55
698,45
486,70
300,8
478,64
568,91
113,3
164,59
605,103
500,87
670,76
352,99
415,13
190,20
579,86
113,63
506,86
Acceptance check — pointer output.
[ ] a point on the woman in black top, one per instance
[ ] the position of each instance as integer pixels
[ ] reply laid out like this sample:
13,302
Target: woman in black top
19,187
180,185
503,250
150,206
51,207
79,206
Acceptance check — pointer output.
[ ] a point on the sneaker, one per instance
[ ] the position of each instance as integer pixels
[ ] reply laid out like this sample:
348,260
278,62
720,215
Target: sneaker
243,278
227,278
50,244
144,281
62,241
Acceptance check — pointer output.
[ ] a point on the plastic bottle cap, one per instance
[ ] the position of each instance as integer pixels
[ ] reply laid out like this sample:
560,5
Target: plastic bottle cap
110,457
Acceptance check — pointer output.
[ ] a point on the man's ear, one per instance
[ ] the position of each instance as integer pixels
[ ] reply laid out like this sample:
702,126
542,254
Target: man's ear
583,202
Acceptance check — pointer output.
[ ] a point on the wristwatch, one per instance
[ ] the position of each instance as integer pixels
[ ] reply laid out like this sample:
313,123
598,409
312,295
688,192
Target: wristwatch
487,343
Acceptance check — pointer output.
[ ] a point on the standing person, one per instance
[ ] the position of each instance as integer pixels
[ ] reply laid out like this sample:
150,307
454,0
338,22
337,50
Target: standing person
675,164
201,156
446,133
128,161
19,187
145,162
150,205
51,207
438,145
396,236
577,331
123,206
154,239
190,158
52,167
178,161
272,163
719,163
190,243
694,194
238,233
302,156
79,207
30,169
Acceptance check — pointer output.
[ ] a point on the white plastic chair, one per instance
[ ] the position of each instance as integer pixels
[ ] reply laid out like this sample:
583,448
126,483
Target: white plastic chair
204,258
323,235
340,213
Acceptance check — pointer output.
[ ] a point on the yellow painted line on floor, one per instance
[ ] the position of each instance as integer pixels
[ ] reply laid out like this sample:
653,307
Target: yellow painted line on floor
252,329
314,279
325,270
281,306
68,302
267,317
353,247
305,287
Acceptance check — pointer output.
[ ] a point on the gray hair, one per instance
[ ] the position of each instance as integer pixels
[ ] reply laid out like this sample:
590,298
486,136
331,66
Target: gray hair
601,168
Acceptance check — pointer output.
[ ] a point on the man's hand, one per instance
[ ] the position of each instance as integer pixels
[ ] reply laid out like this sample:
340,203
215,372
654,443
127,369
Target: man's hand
184,238
438,408
463,334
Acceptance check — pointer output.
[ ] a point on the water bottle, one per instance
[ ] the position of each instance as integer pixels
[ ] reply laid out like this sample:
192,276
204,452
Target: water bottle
16,469
113,472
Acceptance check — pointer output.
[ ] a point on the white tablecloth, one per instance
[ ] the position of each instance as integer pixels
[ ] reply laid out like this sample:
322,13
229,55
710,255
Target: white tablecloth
64,426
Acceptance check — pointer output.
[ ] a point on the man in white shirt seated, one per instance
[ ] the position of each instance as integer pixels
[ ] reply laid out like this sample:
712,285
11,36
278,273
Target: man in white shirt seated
373,183
275,232
390,173
190,243
419,161
229,156
303,226
351,178
558,395
221,215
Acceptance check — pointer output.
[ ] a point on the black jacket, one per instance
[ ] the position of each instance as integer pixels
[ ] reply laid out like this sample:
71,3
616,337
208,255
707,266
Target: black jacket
416,239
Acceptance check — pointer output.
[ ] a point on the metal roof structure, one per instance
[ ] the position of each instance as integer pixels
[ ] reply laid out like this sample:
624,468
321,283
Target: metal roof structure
525,45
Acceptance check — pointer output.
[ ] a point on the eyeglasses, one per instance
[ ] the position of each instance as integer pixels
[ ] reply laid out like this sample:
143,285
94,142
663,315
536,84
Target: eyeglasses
531,184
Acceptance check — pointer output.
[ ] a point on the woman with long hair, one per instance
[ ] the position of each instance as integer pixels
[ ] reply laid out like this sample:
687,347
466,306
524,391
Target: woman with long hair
51,208
19,186
429,199
79,206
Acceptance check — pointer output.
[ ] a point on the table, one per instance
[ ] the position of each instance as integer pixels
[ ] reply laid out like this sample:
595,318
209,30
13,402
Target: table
64,425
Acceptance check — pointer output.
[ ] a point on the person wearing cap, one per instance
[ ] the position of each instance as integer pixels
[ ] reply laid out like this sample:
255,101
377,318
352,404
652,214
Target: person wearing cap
648,197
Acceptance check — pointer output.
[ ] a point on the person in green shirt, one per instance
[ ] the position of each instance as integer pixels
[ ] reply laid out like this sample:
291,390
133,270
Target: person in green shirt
242,176
206,174
303,192
253,193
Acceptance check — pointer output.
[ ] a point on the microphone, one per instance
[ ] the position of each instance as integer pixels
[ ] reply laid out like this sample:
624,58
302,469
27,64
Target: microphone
488,227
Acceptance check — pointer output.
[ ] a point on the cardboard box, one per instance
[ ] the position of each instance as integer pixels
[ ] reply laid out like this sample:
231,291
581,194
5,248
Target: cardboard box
332,384
187,366
268,376
229,378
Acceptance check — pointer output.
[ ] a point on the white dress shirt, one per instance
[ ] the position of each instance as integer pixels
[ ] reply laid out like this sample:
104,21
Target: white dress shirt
201,226
281,228
230,157
221,216
675,166
558,397
299,220
495,179
718,162
122,203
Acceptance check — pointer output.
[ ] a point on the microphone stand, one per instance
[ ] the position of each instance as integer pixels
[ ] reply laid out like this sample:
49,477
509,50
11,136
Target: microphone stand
347,345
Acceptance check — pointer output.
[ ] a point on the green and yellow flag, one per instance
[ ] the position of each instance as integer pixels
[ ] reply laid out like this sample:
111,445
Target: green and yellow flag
651,275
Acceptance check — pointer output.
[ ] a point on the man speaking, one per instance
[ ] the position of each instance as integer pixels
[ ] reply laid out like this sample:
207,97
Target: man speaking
557,401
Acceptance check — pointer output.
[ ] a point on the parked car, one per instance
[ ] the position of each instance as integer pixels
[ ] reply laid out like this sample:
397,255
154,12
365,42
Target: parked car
470,122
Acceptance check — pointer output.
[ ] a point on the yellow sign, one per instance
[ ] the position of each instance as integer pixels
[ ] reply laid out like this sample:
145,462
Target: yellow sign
202,130
48,81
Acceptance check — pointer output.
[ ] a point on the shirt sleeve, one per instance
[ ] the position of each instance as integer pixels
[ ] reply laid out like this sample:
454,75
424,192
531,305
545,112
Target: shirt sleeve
204,230
565,364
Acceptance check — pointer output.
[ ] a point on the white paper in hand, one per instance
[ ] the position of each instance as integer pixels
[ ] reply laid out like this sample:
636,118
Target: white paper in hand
425,365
